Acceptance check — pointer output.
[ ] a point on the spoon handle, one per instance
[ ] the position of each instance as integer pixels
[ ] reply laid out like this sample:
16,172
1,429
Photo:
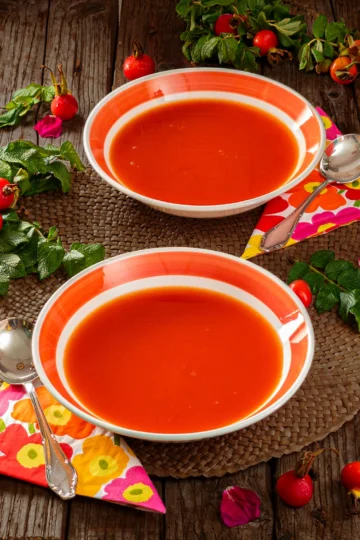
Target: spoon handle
60,474
278,236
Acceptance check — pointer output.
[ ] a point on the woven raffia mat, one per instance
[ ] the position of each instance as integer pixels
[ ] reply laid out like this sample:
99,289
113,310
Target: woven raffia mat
94,212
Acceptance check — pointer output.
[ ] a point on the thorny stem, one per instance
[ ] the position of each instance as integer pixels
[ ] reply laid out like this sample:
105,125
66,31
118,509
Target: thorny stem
313,269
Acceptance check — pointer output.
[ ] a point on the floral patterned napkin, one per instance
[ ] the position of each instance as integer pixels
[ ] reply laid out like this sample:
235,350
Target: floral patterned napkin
107,468
335,207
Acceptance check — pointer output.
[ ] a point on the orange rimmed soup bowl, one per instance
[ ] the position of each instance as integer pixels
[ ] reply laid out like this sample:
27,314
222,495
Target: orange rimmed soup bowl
204,142
173,344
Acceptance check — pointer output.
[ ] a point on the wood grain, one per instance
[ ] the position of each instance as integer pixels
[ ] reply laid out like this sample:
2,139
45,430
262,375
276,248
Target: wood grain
156,26
193,507
30,512
81,35
22,47
91,519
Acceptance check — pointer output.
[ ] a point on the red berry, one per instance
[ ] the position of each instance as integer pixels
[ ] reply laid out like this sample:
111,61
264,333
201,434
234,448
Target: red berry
64,106
5,200
294,490
265,40
350,476
138,64
302,291
222,25
339,71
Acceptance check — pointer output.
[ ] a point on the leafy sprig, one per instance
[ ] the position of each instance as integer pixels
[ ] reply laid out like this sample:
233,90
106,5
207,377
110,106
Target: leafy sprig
335,282
23,100
36,169
314,49
26,249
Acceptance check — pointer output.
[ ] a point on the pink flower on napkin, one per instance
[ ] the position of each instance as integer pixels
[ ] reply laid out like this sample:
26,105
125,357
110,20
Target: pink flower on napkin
326,222
332,131
136,488
49,126
9,393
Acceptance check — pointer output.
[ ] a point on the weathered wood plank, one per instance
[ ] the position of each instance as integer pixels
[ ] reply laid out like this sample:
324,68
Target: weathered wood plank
28,511
326,517
99,520
22,47
193,507
81,35
156,26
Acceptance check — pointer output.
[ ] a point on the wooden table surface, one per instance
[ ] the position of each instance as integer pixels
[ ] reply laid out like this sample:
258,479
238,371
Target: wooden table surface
91,38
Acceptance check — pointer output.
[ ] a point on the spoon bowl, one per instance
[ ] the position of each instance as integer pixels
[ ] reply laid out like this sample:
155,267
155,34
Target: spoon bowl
16,367
340,163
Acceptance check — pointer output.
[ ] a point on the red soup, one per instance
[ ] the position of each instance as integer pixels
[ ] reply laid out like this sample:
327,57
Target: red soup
204,152
173,360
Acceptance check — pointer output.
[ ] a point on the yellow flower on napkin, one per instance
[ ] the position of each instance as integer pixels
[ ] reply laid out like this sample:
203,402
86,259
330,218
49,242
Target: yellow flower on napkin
100,462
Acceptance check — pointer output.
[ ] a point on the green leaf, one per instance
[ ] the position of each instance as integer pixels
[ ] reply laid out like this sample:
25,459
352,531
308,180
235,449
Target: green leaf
29,254
256,5
11,266
328,50
10,216
317,55
183,8
93,253
52,234
2,425
227,50
350,279
335,268
281,12
321,258
347,301
4,289
186,51
32,90
12,117
196,52
211,3
69,153
289,27
327,298
336,31
59,170
299,270
319,26
74,262
32,429
11,238
50,257
210,47
287,42
5,170
314,280
304,56
211,17
356,312
249,62
42,185
22,180
242,6
47,94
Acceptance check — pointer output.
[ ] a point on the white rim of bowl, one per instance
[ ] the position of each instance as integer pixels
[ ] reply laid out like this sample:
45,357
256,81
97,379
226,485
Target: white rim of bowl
172,437
206,208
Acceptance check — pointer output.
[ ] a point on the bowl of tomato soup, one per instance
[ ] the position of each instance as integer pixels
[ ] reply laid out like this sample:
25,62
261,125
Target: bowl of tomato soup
204,142
173,344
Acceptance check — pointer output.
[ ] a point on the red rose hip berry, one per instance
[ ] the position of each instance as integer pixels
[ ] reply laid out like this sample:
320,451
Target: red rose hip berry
265,40
64,105
7,194
294,490
223,25
138,64
302,291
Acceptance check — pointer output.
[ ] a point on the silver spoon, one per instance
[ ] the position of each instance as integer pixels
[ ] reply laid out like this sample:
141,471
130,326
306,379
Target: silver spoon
16,367
340,163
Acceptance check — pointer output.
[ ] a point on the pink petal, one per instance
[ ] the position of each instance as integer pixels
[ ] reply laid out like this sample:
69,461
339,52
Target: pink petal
239,506
49,126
